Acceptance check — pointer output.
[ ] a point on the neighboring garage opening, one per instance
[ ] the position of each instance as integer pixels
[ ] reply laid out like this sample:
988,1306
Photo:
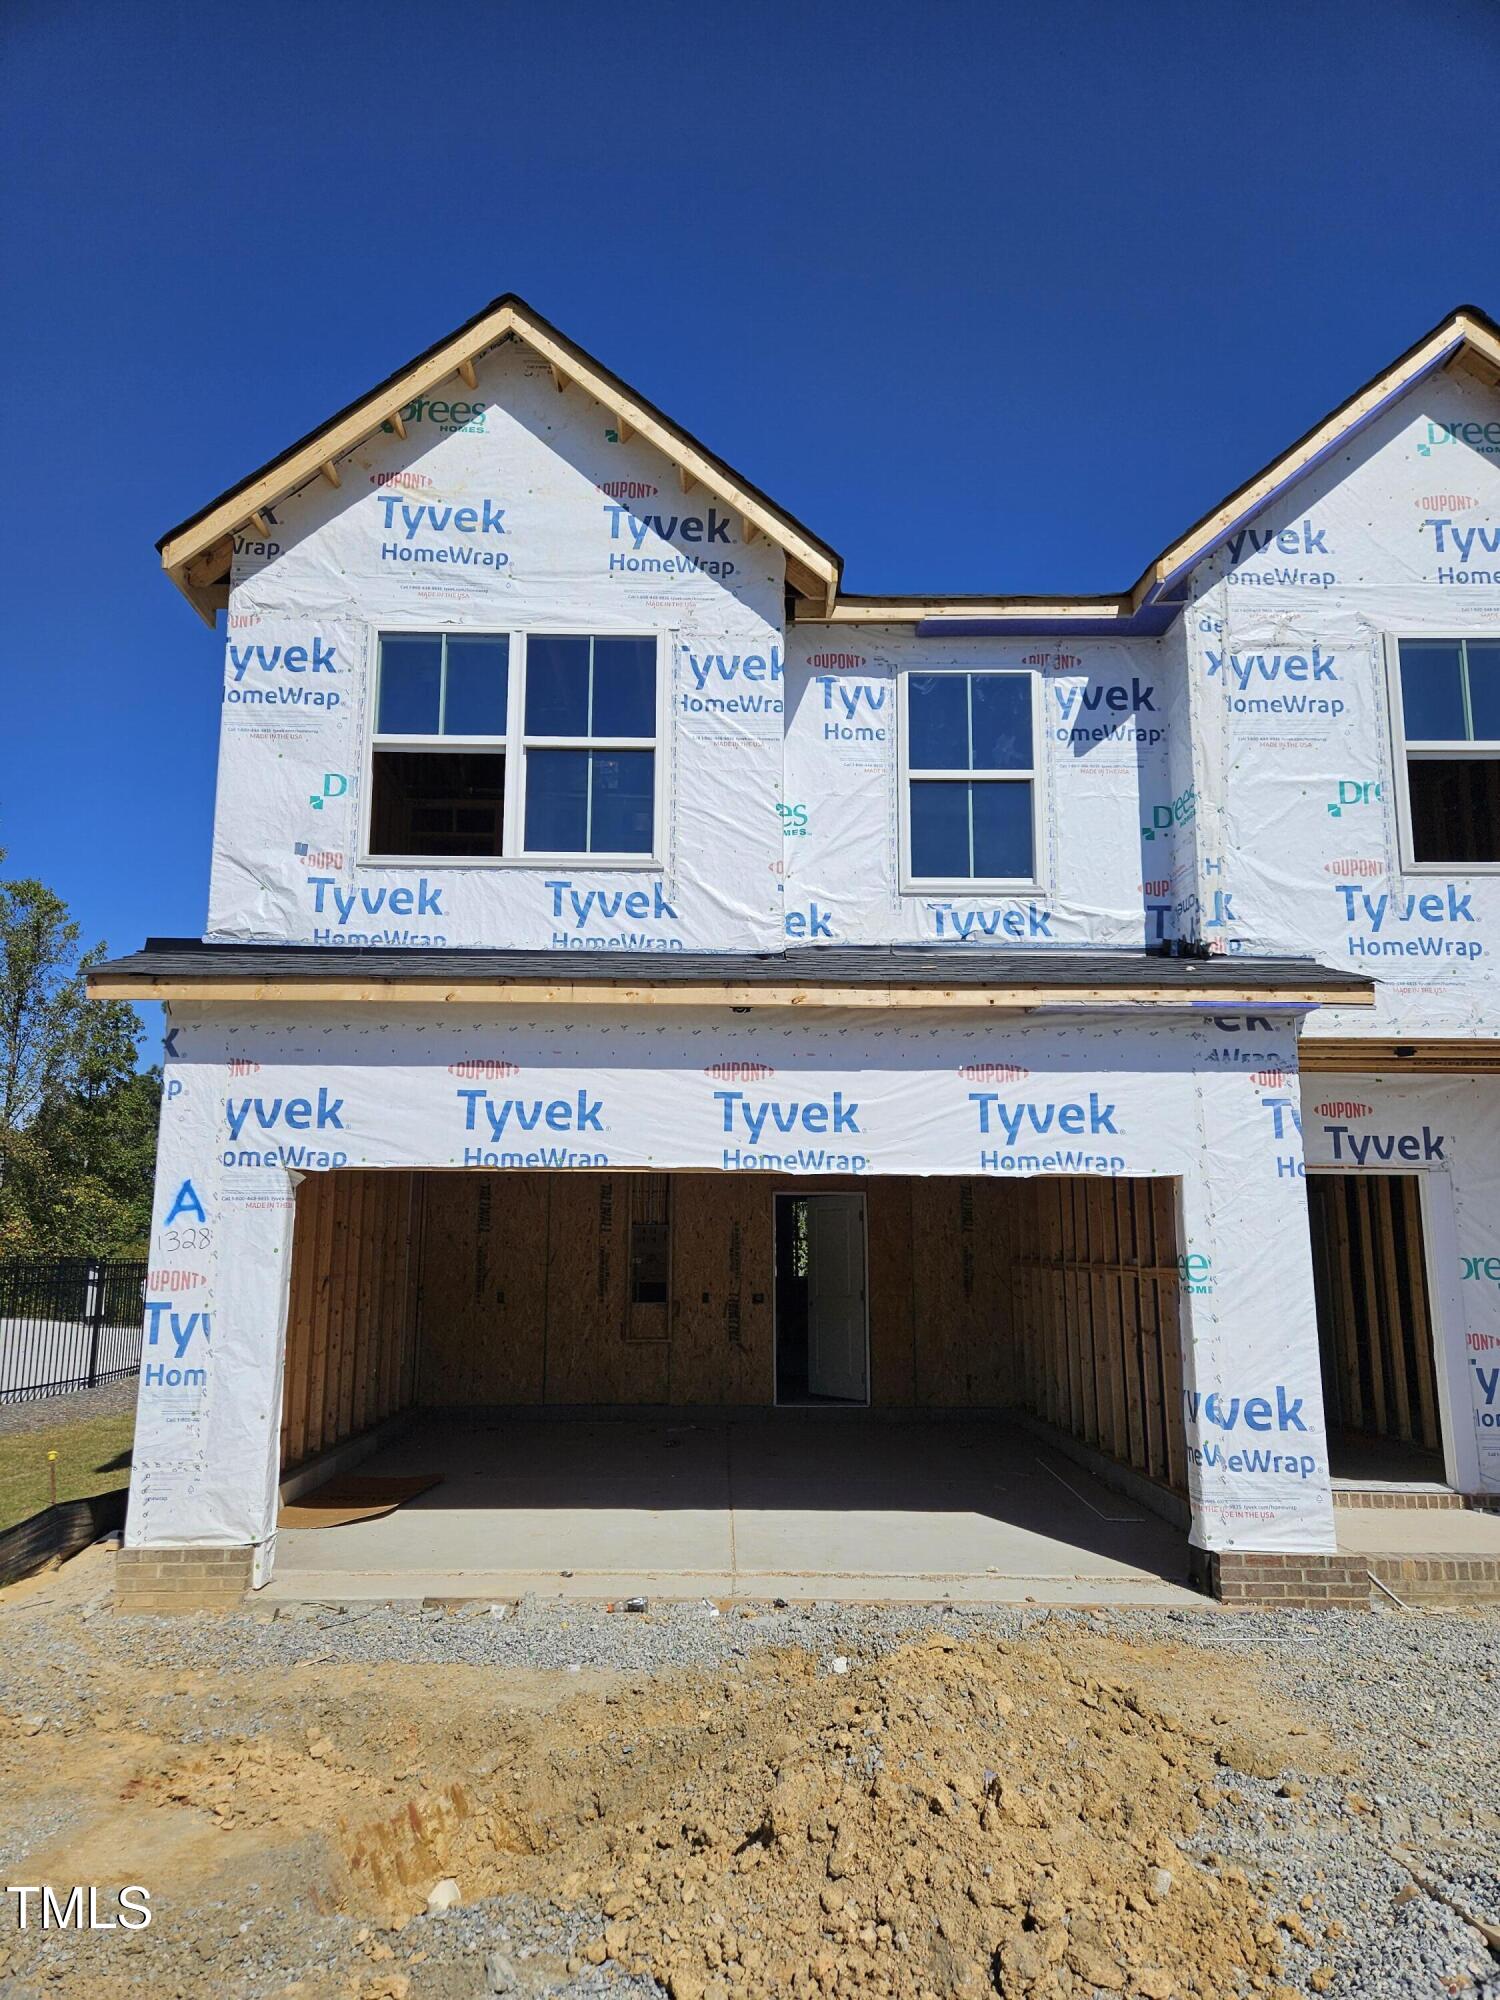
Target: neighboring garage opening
1375,1340
602,1366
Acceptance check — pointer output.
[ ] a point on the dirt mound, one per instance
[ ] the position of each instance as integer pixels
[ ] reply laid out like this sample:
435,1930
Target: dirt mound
956,1818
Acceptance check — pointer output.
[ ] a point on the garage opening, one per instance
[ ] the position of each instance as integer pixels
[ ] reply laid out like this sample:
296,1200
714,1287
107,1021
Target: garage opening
1375,1339
889,1386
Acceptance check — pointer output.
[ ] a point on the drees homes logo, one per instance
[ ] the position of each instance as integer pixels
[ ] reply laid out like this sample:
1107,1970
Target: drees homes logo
1483,438
1196,1272
442,415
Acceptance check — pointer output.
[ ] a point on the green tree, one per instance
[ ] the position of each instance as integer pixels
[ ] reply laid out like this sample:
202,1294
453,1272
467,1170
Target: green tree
77,1118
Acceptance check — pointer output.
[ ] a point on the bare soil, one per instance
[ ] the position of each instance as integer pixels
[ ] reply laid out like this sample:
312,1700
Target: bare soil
959,1817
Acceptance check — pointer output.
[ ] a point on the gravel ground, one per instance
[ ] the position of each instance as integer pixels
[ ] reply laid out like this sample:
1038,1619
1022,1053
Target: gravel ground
1385,1852
41,1412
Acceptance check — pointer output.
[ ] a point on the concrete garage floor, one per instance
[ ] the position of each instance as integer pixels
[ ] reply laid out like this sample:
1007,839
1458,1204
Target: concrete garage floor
799,1505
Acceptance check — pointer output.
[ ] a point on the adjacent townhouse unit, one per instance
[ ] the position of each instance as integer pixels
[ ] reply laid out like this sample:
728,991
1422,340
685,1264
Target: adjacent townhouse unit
645,986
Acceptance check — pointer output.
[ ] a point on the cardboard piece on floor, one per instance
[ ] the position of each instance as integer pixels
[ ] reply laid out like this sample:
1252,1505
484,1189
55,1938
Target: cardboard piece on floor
357,1496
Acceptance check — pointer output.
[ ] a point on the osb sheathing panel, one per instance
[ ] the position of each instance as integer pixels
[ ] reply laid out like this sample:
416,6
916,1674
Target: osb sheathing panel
484,1288
526,1292
964,1354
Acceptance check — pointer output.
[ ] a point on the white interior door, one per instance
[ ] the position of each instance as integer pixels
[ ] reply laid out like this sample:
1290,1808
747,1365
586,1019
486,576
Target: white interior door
837,1348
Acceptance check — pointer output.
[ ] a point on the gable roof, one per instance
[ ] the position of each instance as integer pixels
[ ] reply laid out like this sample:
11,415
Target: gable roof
196,553
1466,337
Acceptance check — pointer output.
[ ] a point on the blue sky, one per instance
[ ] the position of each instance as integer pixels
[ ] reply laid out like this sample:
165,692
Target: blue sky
992,297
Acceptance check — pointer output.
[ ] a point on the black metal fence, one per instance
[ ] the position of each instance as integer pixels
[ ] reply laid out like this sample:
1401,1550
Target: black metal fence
68,1323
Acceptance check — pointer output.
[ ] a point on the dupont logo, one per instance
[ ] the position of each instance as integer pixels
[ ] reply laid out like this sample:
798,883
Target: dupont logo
1355,866
1339,1107
1482,1343
414,482
1272,1078
241,1066
1056,663
628,489
738,1072
485,1066
992,1072
319,857
1446,503
174,1281
1159,885
837,660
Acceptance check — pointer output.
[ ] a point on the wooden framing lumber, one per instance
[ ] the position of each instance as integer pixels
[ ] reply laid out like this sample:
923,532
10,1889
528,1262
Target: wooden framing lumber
1357,1057
1227,993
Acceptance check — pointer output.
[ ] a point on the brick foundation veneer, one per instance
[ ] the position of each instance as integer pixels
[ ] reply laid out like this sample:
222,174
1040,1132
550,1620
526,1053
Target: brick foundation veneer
161,1582
1340,1582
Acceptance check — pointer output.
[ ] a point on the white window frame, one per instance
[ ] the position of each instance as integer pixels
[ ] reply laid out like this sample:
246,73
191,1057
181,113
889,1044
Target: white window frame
922,885
1406,750
514,745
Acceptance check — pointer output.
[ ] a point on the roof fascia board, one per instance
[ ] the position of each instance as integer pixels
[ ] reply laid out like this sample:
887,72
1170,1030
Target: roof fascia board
1232,993
1102,611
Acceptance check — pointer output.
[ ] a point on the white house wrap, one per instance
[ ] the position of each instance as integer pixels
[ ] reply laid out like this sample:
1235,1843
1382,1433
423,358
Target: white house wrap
1216,761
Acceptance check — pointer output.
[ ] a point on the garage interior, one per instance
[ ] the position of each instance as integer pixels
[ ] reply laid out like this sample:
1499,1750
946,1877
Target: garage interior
1375,1337
714,1384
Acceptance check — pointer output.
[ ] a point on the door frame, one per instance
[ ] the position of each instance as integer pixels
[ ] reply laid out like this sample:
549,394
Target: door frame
802,1194
1440,1262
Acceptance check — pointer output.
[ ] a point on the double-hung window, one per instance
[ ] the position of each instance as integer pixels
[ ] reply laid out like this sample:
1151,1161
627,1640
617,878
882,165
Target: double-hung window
1449,705
969,779
501,746
590,746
